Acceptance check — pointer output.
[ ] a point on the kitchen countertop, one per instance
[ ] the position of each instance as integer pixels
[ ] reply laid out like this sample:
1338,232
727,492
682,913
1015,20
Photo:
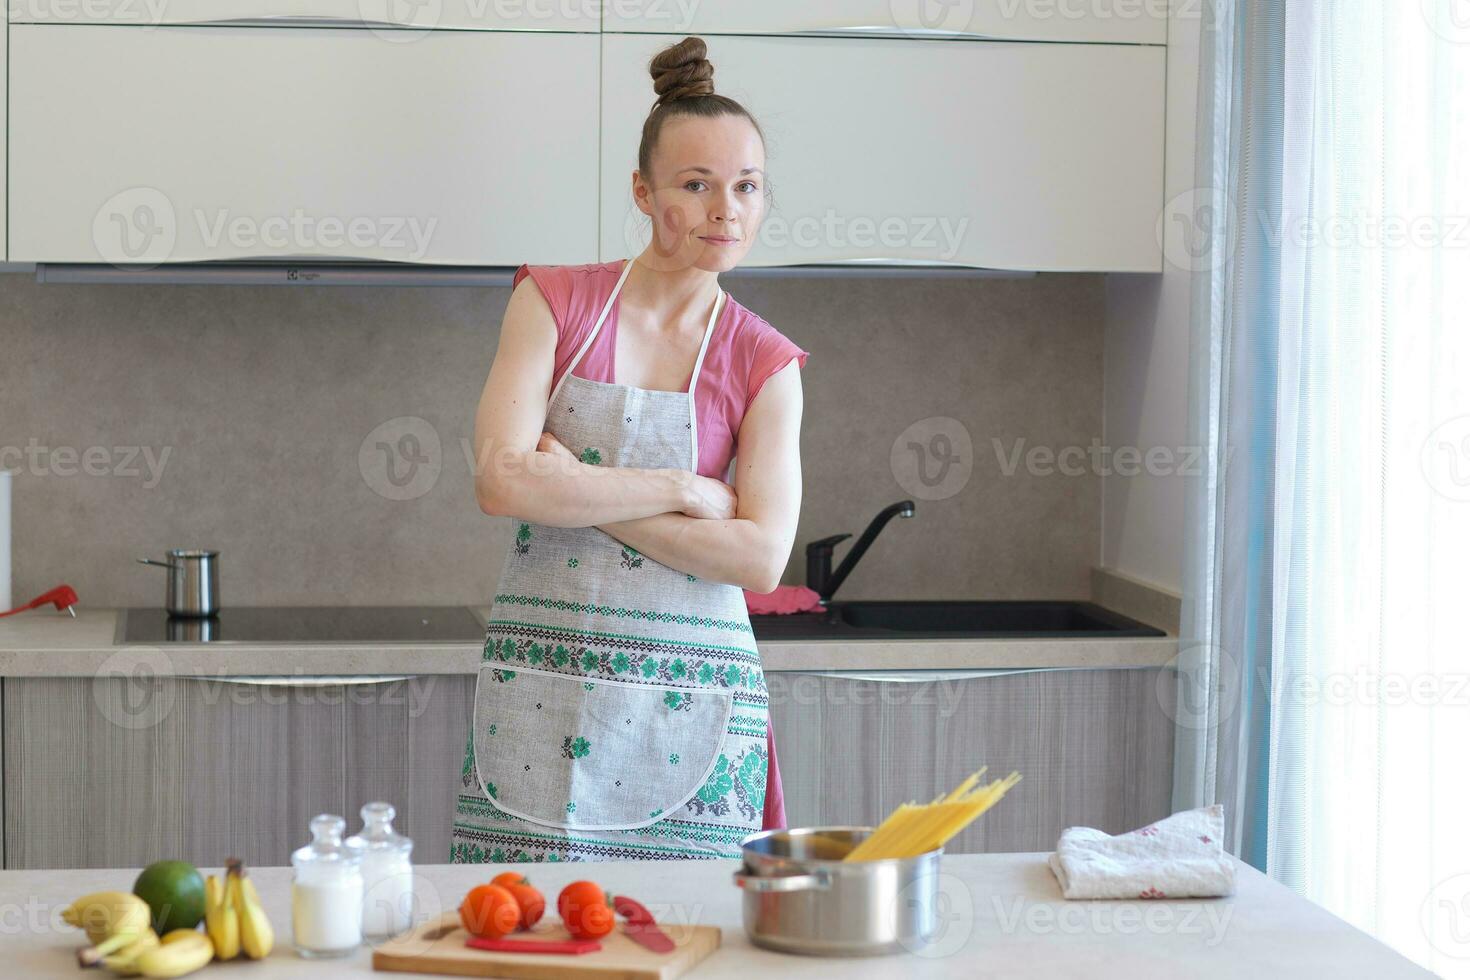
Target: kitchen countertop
45,643
1008,920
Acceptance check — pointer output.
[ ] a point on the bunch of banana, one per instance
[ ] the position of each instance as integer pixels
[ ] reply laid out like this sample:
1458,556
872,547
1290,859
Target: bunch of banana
177,953
233,915
107,914
121,959
221,920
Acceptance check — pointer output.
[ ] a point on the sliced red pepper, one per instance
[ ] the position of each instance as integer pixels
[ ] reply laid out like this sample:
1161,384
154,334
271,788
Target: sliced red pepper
571,947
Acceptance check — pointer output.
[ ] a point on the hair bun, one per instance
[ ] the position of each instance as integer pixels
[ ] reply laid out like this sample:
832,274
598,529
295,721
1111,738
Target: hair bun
681,71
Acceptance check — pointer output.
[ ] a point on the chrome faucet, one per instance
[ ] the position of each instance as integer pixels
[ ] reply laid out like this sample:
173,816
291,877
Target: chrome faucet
819,575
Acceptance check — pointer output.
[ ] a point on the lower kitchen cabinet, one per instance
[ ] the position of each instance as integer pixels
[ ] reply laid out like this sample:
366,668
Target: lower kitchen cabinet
118,772
1094,748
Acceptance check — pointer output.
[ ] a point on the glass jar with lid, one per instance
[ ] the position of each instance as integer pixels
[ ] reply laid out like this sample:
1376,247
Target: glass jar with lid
326,891
387,874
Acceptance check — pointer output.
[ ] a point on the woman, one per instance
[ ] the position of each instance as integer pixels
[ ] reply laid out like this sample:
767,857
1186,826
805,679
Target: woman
621,711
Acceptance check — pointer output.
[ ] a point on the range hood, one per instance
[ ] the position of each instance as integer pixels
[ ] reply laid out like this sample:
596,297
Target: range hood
335,273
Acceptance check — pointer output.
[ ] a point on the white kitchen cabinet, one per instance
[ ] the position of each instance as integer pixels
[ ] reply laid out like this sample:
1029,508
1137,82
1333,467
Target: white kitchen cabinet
1023,156
1122,21
385,15
132,146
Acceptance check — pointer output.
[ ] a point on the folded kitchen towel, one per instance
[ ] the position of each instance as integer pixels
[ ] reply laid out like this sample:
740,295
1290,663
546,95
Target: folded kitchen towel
1178,857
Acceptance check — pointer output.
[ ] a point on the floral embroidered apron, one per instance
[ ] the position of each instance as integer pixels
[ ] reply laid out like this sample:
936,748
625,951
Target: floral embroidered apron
620,709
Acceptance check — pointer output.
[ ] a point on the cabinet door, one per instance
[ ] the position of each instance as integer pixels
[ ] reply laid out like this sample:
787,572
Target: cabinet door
1094,748
117,772
992,154
378,15
1126,21
189,144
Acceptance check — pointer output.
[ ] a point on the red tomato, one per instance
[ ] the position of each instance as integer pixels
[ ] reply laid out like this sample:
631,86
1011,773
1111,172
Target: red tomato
585,909
490,911
531,901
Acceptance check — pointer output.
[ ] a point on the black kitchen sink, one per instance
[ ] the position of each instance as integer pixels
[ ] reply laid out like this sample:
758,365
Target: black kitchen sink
952,619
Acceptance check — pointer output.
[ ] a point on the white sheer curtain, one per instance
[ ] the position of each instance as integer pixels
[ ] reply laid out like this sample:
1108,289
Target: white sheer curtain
1335,336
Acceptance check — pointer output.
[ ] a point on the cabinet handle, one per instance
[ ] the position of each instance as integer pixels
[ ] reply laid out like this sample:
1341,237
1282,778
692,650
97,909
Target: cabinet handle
889,30
292,20
317,680
926,676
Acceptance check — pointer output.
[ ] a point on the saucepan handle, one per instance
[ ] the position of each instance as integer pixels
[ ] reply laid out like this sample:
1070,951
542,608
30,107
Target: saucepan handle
819,880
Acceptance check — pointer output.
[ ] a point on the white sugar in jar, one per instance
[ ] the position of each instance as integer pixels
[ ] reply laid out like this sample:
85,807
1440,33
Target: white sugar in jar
326,892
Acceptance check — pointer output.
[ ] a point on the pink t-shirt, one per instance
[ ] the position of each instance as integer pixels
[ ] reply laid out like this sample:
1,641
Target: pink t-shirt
743,351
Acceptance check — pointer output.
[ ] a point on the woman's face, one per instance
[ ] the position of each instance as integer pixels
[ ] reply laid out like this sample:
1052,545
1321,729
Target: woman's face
706,194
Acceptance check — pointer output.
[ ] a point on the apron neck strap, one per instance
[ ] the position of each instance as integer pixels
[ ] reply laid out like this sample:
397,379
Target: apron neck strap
592,334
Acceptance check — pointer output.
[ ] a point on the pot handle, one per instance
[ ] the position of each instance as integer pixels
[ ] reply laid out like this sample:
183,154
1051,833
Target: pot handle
818,880
150,561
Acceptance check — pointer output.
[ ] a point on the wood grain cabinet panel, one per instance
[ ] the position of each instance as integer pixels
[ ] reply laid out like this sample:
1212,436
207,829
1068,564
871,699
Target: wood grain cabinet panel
116,772
1094,747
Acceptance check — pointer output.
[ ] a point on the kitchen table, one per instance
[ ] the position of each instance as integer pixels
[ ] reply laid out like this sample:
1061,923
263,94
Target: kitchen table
1004,917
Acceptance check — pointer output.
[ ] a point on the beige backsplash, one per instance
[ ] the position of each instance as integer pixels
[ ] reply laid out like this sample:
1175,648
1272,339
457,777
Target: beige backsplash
262,397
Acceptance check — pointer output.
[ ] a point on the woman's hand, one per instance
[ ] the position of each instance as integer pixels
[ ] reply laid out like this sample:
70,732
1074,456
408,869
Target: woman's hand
551,444
709,499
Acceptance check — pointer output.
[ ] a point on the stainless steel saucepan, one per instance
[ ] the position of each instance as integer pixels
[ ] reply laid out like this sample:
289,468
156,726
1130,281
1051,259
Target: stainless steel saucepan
193,582
801,897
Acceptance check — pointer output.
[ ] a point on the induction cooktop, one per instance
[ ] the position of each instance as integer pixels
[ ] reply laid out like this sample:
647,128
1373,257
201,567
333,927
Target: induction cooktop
306,624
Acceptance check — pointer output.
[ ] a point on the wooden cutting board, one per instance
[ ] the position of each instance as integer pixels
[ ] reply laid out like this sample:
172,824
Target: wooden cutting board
437,946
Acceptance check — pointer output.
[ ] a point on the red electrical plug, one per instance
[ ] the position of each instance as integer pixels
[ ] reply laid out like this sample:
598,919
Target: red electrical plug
62,597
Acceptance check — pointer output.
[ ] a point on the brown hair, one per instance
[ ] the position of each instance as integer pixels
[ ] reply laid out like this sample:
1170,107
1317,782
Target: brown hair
684,81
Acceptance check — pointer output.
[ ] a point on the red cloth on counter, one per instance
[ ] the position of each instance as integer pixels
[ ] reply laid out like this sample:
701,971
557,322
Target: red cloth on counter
783,600
774,817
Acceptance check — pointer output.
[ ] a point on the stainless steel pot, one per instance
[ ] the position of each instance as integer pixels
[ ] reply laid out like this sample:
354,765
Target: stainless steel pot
193,582
801,897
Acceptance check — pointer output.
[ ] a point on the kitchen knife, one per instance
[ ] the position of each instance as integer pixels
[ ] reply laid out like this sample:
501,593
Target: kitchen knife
641,927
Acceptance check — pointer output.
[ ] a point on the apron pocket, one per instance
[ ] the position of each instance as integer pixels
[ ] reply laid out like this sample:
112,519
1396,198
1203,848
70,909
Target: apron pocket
586,754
